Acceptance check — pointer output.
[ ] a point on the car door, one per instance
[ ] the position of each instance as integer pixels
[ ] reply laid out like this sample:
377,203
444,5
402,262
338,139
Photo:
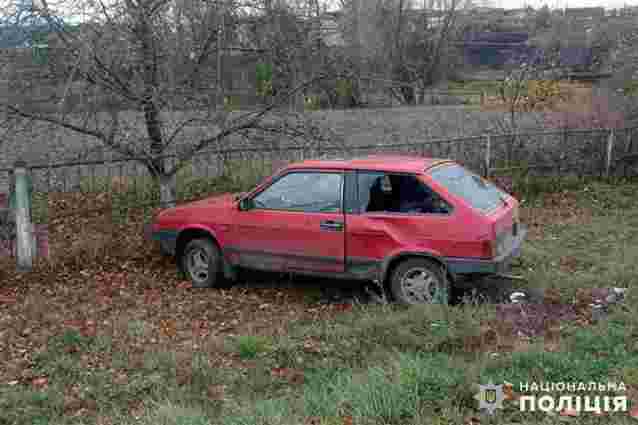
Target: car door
375,231
294,224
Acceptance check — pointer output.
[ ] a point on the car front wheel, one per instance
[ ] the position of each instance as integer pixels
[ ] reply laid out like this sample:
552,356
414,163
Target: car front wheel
419,281
201,263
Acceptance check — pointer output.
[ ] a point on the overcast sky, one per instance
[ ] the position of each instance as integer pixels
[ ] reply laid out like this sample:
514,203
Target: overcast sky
507,4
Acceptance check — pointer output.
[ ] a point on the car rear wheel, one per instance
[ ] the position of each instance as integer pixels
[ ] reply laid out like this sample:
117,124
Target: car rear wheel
419,281
201,262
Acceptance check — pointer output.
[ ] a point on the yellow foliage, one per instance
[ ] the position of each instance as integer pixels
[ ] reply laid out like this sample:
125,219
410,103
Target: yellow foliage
543,92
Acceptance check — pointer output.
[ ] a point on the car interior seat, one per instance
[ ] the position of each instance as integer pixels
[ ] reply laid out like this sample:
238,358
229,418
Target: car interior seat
377,196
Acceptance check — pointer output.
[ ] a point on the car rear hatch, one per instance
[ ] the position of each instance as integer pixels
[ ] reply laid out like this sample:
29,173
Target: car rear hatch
507,229
500,209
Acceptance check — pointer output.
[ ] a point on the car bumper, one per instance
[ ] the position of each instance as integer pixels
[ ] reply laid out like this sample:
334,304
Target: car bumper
166,238
500,264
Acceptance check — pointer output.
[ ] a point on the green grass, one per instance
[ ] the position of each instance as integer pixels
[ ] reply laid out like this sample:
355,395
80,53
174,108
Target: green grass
250,346
417,385
631,88
408,385
604,249
40,208
154,384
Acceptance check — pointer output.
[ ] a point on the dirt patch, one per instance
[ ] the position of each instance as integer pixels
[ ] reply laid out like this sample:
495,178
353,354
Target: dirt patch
557,208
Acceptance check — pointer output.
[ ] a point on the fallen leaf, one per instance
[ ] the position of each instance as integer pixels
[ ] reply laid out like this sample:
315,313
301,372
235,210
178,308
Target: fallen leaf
120,379
185,285
291,375
552,296
71,404
8,299
342,307
347,420
568,412
280,372
40,382
216,392
508,392
71,349
168,327
311,346
89,329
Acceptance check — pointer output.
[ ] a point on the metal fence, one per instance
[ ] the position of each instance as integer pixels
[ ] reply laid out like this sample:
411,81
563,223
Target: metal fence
597,152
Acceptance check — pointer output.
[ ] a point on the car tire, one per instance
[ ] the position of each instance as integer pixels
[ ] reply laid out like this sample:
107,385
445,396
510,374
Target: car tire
201,263
419,281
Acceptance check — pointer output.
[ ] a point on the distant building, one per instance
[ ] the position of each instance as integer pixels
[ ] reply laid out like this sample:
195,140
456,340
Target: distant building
499,49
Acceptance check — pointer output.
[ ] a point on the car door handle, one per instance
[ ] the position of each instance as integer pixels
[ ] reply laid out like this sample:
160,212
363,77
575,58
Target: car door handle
335,226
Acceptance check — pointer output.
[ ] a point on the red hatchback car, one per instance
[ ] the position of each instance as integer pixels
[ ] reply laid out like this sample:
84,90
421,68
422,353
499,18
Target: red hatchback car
414,224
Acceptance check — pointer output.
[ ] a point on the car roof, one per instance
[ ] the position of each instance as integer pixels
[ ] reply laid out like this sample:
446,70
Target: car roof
392,163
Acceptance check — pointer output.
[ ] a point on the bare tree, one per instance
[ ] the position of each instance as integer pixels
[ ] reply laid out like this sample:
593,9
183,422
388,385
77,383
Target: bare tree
148,72
430,50
414,42
513,90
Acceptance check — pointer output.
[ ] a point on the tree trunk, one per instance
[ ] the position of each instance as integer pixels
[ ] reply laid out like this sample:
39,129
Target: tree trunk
168,192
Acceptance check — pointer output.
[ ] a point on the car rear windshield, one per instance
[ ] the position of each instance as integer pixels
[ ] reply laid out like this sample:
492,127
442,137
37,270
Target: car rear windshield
479,193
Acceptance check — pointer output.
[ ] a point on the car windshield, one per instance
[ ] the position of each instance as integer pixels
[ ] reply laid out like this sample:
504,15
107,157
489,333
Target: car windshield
479,193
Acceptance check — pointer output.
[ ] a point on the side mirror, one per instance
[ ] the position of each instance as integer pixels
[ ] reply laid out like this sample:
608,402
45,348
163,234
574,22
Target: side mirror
245,204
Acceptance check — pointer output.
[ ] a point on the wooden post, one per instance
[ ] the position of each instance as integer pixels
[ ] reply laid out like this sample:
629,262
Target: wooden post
610,147
488,147
25,247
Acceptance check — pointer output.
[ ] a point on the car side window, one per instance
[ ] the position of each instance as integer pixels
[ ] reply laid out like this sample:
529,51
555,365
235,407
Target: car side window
398,193
303,191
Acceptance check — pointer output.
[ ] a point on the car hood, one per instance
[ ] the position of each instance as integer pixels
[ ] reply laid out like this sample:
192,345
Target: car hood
184,211
225,199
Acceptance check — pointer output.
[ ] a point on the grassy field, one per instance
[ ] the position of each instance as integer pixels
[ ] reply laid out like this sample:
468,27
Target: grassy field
108,334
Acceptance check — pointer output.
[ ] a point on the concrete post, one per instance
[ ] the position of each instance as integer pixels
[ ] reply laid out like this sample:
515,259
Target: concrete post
25,246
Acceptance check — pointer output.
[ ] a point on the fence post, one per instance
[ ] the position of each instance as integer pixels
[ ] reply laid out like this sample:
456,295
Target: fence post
488,147
610,147
25,247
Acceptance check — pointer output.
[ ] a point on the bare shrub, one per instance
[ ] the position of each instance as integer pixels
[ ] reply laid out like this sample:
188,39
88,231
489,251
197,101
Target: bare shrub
584,109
